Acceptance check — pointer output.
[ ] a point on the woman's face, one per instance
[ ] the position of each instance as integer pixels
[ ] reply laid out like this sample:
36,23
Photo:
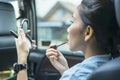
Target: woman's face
76,33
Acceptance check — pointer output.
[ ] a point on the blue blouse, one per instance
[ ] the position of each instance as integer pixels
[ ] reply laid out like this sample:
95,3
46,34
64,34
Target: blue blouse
81,71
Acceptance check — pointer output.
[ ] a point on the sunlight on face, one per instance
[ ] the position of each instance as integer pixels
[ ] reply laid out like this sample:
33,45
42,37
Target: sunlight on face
75,33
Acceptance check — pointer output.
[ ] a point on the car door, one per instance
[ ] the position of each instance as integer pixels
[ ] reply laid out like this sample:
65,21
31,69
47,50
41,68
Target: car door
41,69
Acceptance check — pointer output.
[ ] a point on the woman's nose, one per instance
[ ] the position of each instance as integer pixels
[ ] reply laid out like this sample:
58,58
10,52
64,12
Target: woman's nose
68,29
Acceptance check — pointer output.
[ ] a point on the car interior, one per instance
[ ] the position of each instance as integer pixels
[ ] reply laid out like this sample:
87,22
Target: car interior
39,67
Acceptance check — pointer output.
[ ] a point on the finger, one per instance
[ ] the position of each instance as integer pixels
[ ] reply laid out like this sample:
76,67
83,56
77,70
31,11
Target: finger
60,53
34,41
51,50
34,46
28,31
52,58
51,53
48,54
51,45
22,34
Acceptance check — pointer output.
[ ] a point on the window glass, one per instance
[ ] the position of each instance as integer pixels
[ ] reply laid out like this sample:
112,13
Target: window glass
15,5
53,20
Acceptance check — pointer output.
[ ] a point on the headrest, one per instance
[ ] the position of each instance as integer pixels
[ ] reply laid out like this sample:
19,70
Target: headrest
7,18
109,71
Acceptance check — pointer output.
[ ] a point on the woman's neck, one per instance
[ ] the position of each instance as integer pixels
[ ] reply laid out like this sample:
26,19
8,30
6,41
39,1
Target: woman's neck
89,53
92,50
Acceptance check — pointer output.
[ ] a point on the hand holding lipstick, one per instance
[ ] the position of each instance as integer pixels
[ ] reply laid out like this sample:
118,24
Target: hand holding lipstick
56,46
56,58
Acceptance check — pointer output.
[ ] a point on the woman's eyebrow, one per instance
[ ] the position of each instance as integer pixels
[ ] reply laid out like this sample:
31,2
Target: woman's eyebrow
73,16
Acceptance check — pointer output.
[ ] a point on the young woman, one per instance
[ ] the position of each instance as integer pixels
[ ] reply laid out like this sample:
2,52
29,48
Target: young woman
93,31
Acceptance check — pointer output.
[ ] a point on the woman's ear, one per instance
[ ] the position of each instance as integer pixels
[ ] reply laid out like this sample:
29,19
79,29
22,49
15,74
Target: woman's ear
88,33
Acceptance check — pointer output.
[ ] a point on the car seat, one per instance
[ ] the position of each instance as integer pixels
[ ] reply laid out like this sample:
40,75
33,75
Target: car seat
7,42
111,70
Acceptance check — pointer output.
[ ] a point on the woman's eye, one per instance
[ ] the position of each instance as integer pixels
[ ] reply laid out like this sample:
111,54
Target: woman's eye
68,23
71,22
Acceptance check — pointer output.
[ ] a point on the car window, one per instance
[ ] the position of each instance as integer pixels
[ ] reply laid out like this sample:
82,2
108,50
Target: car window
53,19
15,5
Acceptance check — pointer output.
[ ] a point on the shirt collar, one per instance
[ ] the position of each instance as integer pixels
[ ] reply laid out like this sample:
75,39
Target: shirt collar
95,58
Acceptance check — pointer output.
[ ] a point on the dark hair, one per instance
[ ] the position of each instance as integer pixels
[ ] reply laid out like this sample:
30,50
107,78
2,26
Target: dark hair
100,15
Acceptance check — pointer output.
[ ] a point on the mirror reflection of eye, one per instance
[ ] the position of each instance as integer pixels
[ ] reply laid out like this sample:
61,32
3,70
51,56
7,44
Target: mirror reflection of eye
25,26
71,22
